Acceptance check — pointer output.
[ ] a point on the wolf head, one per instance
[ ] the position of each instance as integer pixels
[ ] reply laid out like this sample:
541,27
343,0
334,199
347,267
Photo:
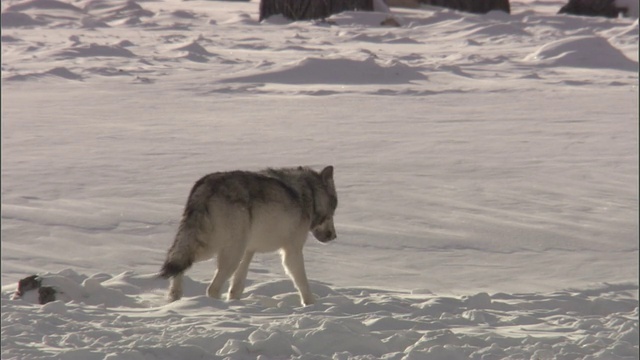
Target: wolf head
325,204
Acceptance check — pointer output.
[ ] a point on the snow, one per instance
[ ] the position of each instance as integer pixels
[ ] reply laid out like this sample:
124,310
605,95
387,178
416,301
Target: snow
487,170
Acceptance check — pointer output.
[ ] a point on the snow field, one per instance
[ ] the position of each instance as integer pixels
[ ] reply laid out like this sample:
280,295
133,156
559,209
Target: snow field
487,169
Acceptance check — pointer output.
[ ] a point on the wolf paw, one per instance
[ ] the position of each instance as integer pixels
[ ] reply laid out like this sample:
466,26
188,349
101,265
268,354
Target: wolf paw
174,296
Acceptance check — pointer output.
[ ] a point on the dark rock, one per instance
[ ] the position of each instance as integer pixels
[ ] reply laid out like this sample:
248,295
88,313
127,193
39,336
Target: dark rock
606,8
46,294
29,283
310,9
472,6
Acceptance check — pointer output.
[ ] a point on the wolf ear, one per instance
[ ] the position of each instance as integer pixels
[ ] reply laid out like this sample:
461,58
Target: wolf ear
327,174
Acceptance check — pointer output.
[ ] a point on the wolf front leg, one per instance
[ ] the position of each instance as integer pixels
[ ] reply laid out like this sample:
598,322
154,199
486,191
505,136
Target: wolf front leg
293,262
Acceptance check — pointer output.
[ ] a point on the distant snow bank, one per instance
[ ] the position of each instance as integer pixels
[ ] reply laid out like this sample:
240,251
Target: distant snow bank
337,71
125,317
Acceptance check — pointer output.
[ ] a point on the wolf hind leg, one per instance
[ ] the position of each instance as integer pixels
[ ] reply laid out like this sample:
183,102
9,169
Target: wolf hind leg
293,262
228,261
239,277
175,287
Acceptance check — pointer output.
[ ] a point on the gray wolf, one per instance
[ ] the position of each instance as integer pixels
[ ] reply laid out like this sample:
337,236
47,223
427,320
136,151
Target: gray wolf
233,215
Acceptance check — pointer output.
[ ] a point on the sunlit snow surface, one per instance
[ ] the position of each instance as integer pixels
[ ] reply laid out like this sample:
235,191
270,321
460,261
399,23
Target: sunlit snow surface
487,170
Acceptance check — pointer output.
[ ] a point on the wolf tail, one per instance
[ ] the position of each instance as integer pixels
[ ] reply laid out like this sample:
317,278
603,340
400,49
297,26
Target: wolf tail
181,255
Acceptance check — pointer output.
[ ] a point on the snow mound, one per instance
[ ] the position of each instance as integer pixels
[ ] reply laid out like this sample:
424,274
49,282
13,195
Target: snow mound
359,18
121,11
59,72
44,4
95,50
195,52
70,286
493,30
43,12
582,51
337,71
126,317
17,19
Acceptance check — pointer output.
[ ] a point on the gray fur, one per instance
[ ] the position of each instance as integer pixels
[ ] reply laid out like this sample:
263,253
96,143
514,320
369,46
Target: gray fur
233,215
